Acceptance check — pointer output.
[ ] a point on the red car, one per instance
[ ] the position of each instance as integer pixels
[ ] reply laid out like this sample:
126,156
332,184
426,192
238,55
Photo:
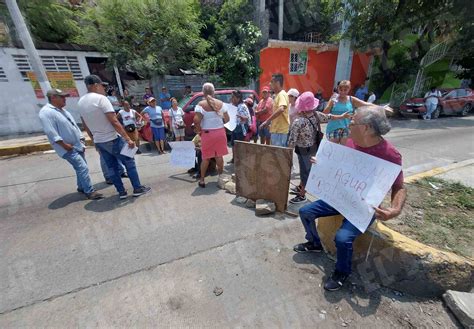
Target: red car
188,104
452,102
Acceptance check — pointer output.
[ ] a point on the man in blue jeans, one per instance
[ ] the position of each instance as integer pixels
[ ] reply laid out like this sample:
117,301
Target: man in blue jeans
66,139
367,127
99,120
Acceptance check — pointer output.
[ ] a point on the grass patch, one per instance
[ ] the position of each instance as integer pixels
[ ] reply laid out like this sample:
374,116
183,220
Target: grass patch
439,213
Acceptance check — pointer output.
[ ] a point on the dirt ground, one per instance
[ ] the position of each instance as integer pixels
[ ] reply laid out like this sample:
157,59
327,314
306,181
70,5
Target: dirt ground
440,214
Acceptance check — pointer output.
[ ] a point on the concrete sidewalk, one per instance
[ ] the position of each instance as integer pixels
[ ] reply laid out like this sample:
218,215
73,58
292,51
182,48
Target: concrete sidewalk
28,144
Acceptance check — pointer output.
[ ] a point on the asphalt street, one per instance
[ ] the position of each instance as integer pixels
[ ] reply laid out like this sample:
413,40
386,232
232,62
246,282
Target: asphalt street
67,261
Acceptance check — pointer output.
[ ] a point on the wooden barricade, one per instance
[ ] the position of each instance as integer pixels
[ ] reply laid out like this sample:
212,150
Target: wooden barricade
263,172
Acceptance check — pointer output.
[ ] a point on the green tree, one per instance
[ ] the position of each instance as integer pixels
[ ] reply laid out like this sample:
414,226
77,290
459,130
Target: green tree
147,36
50,20
402,31
234,42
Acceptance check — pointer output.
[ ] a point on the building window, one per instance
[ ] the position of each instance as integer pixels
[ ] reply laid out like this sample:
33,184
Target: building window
298,61
63,64
23,65
51,64
3,76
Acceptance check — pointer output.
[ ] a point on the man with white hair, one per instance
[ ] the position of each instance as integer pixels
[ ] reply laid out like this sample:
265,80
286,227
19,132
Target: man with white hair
367,127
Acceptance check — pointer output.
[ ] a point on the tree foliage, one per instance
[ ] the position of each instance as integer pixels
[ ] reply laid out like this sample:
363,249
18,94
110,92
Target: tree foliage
303,16
403,31
146,36
50,20
234,42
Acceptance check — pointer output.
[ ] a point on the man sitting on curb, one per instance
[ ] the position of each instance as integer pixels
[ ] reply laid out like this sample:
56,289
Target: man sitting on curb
367,127
66,139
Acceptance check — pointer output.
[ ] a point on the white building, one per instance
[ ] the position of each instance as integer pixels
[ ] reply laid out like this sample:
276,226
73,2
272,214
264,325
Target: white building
19,106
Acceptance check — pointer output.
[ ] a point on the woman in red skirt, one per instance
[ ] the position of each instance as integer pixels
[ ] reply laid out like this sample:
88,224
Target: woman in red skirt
209,118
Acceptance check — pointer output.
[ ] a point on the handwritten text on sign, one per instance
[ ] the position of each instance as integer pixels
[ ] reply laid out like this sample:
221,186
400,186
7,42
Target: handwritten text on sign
351,181
183,154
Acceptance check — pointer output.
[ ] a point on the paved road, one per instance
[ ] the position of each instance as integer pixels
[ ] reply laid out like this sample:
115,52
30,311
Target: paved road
56,246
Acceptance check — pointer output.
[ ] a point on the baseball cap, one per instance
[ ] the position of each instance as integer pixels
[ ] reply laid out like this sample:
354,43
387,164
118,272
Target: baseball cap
293,92
56,92
93,79
150,99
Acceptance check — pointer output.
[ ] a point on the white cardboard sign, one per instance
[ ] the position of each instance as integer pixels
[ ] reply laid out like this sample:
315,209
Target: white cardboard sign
183,154
351,181
232,111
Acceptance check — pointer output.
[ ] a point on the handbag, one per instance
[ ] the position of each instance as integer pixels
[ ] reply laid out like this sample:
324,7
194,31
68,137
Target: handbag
130,128
317,141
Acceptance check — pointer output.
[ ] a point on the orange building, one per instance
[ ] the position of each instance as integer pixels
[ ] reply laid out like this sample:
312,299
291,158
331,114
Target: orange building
308,66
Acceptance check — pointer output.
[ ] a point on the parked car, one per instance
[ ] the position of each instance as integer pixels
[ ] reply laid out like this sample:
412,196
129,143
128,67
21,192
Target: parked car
452,102
188,104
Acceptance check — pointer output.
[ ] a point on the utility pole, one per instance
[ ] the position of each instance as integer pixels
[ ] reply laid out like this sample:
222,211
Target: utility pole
27,42
344,55
280,20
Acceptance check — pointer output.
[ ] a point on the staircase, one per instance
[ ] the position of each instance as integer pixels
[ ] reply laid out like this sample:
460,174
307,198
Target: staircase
433,55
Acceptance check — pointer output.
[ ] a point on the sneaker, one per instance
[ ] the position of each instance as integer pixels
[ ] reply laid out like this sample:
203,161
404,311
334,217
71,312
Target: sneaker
308,247
124,175
141,190
123,195
295,190
95,195
335,281
109,182
298,199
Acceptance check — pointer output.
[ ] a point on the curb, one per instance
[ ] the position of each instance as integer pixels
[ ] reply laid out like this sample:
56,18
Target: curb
385,257
25,149
439,170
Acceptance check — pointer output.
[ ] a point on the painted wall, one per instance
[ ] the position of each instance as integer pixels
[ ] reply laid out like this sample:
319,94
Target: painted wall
320,71
19,107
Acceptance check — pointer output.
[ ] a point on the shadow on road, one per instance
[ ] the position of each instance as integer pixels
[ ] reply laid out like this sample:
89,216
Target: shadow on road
66,200
210,189
353,290
110,203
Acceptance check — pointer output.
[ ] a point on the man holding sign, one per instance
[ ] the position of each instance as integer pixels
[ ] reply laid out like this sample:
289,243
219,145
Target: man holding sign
369,183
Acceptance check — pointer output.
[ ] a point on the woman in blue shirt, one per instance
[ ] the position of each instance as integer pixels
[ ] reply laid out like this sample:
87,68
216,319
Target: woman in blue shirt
157,123
340,109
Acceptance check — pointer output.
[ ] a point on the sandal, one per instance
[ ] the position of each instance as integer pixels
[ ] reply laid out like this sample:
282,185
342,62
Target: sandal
203,185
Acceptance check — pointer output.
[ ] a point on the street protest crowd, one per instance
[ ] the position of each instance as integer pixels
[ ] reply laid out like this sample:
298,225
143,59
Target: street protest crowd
286,119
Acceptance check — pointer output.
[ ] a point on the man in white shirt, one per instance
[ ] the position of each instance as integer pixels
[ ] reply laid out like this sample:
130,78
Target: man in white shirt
99,120
431,102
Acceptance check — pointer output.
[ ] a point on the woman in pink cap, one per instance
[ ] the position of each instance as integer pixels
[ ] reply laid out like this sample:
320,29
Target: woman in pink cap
305,136
262,113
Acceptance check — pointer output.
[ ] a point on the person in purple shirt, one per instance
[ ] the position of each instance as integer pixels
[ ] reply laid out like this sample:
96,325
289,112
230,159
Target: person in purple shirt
367,127
147,95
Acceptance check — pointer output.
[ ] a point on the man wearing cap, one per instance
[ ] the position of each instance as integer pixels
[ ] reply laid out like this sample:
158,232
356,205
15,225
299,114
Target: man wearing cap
279,120
66,139
100,122
165,99
263,112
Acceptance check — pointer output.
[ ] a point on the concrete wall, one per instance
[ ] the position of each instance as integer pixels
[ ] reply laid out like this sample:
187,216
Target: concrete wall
18,105
321,67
